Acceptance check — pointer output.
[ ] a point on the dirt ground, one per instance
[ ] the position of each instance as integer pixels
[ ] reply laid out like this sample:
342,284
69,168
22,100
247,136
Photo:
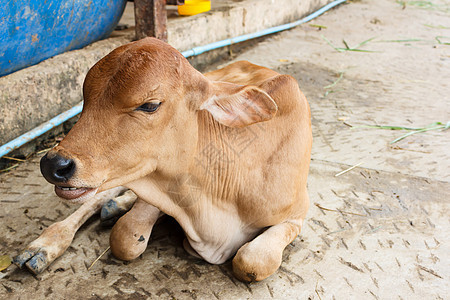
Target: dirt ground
377,231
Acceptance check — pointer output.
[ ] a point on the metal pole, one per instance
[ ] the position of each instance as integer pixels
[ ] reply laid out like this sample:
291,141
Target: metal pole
151,19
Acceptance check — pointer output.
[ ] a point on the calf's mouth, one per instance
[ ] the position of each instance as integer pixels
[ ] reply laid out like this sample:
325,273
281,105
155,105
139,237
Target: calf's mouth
60,170
74,194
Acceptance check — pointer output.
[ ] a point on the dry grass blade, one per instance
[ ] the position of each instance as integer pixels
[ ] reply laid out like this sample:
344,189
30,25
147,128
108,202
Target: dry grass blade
100,256
339,211
317,292
44,150
13,158
349,169
9,168
405,149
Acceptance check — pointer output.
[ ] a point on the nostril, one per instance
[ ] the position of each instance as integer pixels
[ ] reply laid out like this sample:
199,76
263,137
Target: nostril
67,171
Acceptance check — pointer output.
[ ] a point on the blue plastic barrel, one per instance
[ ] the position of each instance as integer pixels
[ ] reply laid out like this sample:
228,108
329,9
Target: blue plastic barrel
34,30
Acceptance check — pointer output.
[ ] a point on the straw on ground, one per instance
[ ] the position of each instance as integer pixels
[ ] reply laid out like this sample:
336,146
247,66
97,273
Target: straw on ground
103,253
349,169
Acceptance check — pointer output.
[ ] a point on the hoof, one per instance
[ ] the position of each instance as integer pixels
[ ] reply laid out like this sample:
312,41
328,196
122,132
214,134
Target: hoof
35,261
22,258
111,212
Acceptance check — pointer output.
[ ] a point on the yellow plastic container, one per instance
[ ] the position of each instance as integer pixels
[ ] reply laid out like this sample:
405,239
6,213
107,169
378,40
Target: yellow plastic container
193,7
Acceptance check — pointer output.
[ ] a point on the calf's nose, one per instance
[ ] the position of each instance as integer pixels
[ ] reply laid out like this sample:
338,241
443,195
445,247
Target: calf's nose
57,169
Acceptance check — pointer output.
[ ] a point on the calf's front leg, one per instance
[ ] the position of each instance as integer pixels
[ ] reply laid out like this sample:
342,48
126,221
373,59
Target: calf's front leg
116,207
129,236
55,239
261,257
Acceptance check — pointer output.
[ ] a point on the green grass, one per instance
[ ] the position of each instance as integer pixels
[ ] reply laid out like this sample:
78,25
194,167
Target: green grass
439,40
399,41
433,126
436,26
341,75
348,48
424,5
330,92
318,26
442,40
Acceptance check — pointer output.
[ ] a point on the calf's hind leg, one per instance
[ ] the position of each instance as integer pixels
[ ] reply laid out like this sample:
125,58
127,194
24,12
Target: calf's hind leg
129,236
261,257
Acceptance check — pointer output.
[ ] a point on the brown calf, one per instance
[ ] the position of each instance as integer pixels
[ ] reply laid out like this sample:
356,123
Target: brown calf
226,154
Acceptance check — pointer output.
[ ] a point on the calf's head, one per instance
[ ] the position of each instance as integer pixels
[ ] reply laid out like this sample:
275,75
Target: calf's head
141,115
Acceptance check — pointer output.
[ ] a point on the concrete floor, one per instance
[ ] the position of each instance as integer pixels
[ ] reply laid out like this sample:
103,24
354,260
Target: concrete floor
378,231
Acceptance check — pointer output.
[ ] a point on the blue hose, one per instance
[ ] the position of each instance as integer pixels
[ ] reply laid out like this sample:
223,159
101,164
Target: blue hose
41,129
59,119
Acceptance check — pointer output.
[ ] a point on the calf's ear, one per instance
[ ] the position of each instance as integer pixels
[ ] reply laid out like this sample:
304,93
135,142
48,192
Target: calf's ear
237,106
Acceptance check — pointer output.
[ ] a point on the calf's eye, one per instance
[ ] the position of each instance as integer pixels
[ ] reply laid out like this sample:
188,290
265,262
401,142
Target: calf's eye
149,107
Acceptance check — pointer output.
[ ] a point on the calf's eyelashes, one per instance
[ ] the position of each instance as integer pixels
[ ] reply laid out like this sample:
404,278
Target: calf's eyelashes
150,107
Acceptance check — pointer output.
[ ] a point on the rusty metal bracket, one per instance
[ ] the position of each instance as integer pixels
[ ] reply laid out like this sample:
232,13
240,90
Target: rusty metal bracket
151,19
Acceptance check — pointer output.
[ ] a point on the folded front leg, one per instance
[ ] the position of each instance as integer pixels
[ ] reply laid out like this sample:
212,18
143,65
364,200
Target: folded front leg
55,239
129,236
260,258
113,209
